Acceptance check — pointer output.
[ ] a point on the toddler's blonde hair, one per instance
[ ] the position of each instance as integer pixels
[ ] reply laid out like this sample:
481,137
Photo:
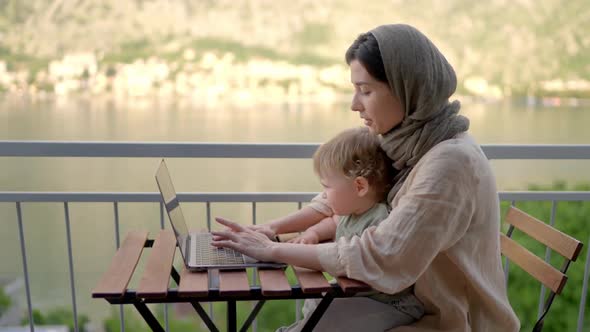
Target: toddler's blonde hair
356,152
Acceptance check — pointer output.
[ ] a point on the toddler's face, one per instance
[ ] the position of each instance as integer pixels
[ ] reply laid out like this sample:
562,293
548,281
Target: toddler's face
340,192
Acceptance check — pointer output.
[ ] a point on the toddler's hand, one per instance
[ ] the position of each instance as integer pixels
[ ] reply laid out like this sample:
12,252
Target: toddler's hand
264,229
307,237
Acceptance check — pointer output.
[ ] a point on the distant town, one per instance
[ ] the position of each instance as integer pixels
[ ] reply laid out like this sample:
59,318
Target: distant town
214,76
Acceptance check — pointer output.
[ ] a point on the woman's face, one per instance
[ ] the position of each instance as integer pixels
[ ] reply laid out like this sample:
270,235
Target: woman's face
374,101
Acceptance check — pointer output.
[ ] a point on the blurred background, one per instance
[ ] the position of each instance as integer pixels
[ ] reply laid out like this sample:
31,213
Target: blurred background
250,71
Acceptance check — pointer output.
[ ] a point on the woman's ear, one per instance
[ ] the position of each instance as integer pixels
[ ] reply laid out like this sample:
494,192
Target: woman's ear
361,185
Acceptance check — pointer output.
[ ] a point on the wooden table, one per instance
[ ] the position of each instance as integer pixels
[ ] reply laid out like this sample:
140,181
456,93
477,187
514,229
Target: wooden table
197,287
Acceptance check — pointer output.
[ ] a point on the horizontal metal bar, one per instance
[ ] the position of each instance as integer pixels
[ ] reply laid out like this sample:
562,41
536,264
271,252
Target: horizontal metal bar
248,150
560,196
537,151
154,149
232,197
99,197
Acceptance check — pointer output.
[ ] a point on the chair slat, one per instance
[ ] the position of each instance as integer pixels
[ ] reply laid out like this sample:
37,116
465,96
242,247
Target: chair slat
156,276
351,286
539,269
114,281
564,244
273,282
234,283
311,281
193,283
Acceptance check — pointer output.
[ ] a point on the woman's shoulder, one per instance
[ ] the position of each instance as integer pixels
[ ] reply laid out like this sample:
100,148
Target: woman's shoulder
453,159
461,148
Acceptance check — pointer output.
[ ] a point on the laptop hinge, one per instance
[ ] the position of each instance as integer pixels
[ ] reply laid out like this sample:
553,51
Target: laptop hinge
188,250
172,204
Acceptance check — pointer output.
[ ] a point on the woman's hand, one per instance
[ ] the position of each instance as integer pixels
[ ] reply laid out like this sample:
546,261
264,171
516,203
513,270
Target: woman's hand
252,243
307,237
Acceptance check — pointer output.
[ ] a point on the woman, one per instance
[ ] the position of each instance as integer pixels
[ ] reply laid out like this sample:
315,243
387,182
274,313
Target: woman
442,234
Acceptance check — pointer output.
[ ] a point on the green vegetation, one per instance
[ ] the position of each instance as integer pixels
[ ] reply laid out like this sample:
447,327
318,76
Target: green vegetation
58,316
571,218
19,61
244,52
314,34
130,51
5,302
144,48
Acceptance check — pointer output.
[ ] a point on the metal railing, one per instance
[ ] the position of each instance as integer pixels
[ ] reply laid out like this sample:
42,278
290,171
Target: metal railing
220,150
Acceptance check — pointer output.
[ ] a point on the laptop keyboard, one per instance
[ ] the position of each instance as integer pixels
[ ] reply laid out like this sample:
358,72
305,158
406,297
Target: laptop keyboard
206,254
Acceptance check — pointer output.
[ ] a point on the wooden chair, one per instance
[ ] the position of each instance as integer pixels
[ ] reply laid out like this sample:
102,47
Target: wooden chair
565,245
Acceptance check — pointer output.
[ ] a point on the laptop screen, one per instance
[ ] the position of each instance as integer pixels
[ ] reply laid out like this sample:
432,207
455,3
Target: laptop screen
172,207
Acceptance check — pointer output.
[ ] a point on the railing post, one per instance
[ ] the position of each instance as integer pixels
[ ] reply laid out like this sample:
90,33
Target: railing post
584,288
23,251
166,322
506,260
208,208
117,243
547,258
71,264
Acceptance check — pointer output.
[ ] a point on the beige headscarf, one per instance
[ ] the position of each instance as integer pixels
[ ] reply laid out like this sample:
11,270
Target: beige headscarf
422,79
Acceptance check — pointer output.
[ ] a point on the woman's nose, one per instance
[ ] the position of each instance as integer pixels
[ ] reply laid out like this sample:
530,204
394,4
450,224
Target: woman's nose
355,106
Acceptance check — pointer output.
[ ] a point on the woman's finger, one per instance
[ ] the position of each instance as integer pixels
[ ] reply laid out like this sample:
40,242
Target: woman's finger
232,225
226,244
224,235
218,238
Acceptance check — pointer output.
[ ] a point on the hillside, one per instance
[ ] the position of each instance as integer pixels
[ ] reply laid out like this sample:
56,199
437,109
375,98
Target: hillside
515,44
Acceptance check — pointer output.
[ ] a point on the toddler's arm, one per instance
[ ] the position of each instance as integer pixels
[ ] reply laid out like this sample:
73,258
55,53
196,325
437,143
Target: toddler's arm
325,230
295,222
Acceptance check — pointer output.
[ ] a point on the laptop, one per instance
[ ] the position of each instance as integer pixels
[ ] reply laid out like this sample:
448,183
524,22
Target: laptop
195,247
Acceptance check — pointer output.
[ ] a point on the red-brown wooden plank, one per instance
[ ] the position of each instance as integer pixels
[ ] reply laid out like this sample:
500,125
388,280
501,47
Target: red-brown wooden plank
156,276
273,282
351,286
234,282
193,283
311,281
114,281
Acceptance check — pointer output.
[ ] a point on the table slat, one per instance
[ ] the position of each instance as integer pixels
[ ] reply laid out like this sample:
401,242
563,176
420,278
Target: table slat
234,282
114,281
351,286
311,281
273,282
156,276
193,283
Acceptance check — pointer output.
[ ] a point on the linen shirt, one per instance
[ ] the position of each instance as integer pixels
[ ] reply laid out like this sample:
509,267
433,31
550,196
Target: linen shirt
442,235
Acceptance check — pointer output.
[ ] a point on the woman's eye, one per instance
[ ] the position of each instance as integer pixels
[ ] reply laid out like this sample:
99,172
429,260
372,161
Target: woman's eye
365,92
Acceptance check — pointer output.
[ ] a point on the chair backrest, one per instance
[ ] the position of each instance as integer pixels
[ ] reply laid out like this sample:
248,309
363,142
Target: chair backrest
565,245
